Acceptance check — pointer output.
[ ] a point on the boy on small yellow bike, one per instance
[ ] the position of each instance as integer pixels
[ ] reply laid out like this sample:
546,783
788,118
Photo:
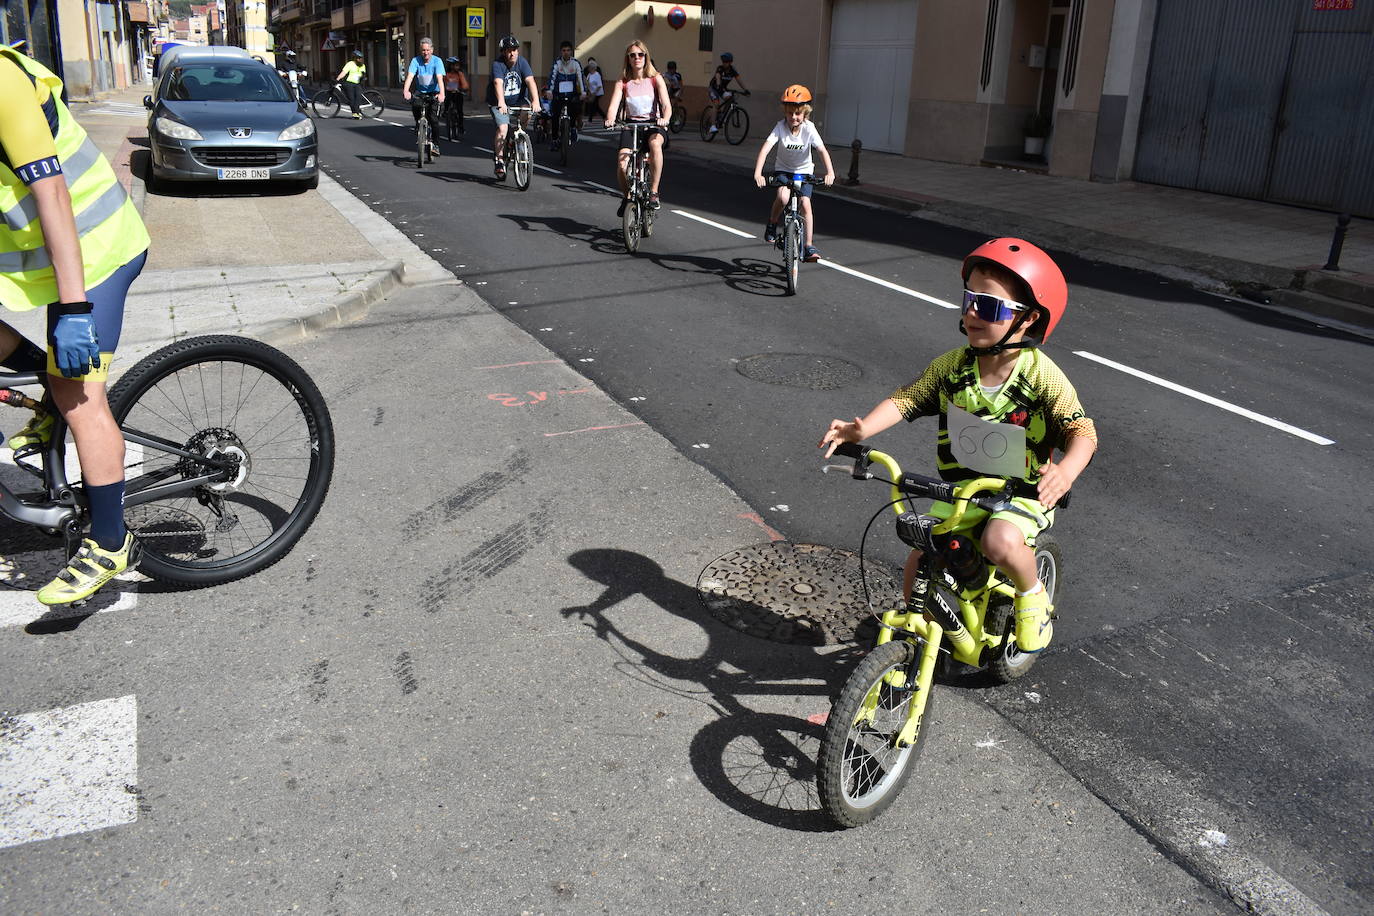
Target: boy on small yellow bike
992,396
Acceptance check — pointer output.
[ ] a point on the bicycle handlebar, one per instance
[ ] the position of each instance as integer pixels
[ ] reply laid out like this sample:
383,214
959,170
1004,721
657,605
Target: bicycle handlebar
775,182
918,485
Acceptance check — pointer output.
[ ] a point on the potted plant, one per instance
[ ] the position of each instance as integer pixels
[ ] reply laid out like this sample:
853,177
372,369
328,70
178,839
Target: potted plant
1036,129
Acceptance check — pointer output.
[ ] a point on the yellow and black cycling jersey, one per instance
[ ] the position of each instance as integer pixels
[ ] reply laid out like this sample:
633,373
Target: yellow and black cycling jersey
1037,396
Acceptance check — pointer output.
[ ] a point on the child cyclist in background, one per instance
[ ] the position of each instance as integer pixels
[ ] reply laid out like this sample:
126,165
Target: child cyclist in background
1014,295
795,137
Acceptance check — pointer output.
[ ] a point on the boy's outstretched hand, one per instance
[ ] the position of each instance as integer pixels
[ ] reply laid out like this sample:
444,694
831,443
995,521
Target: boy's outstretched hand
839,432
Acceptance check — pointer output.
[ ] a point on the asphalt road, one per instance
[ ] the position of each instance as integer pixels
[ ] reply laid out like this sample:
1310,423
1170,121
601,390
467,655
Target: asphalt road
1209,669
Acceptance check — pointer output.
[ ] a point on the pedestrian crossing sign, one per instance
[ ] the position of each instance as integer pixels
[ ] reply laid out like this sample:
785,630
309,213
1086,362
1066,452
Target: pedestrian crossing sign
477,21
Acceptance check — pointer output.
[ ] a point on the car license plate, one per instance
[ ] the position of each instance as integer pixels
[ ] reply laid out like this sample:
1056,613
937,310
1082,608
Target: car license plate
243,174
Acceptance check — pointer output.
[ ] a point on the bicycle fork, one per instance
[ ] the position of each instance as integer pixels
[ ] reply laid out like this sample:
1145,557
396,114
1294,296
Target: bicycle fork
930,635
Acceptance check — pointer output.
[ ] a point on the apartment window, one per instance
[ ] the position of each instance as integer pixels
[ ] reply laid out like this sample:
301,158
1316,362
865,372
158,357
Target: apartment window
706,38
527,12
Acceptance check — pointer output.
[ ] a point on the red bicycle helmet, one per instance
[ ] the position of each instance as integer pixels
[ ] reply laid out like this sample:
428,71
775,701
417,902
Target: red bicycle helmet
1048,289
796,94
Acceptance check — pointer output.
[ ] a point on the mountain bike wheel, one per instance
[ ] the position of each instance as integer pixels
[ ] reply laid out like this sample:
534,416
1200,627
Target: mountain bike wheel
630,223
325,103
1010,662
371,104
858,772
708,118
679,118
791,254
223,396
564,139
421,141
647,227
451,116
524,160
736,126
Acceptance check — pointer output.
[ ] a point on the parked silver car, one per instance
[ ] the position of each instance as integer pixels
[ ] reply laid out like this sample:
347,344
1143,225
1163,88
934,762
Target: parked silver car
220,118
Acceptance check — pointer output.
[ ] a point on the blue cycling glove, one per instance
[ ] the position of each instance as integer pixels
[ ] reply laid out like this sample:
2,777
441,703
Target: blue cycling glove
75,347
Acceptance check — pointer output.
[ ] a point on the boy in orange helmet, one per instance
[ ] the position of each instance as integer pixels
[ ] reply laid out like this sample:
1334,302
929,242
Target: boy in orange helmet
795,137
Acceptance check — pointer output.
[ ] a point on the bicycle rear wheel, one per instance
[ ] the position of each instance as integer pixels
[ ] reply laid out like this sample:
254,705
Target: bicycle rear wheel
223,397
524,160
708,118
791,254
737,126
325,103
859,771
1010,662
371,104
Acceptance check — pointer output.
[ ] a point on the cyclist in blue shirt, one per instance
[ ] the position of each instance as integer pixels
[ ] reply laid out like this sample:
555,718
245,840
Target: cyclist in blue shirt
426,73
512,85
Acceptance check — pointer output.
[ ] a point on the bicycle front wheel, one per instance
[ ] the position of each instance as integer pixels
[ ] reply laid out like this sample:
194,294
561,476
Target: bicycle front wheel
421,141
679,118
564,139
791,254
737,126
708,120
223,397
325,103
371,104
630,223
524,160
860,770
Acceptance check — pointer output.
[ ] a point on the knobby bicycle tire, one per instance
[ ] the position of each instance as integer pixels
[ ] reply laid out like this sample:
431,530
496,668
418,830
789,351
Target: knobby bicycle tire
325,103
371,104
678,119
858,772
451,113
736,126
708,117
630,222
524,160
791,255
564,139
421,140
223,396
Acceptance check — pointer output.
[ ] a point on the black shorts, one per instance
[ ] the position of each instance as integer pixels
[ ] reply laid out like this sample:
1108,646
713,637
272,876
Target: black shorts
627,137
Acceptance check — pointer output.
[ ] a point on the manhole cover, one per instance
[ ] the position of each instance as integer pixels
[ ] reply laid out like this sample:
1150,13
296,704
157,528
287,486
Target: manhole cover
799,370
796,593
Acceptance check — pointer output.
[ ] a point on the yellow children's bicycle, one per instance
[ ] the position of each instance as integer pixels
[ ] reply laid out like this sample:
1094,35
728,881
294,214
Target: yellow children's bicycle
961,605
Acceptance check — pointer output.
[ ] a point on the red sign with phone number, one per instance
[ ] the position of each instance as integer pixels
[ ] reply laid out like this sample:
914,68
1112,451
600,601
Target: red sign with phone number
1333,4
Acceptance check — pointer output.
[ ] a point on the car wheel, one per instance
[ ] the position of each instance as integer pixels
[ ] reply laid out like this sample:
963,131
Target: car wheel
151,183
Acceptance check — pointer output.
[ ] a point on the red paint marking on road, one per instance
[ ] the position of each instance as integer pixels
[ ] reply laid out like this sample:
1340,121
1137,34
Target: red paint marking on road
758,520
590,429
819,718
533,362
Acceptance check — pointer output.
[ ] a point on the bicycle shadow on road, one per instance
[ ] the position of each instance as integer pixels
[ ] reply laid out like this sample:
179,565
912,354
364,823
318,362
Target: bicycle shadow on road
748,275
762,764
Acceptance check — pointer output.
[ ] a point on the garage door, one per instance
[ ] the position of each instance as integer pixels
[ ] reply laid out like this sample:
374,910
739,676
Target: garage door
872,45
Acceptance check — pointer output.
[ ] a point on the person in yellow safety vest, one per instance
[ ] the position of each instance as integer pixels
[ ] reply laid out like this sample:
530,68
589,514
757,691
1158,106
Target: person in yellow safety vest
71,241
349,77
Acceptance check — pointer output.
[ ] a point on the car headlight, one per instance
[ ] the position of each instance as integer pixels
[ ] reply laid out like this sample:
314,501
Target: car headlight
176,130
298,131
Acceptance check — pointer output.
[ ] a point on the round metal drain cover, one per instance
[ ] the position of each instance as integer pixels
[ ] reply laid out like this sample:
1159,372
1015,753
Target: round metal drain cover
799,370
808,594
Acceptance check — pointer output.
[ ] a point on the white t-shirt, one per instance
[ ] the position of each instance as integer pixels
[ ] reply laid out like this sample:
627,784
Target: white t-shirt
794,153
594,84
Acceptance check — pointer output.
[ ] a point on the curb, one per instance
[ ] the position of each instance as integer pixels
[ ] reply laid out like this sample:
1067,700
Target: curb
345,309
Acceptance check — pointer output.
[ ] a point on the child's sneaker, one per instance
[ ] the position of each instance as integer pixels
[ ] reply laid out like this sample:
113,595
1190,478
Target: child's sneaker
811,253
1034,624
770,232
89,570
713,129
35,434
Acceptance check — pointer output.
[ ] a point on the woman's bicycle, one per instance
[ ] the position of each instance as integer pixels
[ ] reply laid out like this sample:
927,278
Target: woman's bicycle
518,153
792,232
962,606
637,219
327,103
730,118
229,451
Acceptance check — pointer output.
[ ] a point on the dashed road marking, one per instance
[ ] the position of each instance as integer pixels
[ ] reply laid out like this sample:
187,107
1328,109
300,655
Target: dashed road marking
68,770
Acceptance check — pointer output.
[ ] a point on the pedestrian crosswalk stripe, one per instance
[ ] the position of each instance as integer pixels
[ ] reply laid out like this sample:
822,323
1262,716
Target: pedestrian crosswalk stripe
68,770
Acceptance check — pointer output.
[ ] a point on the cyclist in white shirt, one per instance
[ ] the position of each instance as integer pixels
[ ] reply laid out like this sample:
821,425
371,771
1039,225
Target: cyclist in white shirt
795,137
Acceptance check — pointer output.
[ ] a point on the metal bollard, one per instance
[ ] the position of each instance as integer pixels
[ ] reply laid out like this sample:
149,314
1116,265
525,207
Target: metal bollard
1333,260
854,149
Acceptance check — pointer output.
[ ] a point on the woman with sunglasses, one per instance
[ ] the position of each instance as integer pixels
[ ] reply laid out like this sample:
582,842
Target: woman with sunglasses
643,95
999,389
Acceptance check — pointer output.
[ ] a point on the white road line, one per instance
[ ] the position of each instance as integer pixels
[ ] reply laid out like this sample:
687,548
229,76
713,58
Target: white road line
824,262
394,124
713,223
484,149
1208,399
602,187
547,169
68,770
